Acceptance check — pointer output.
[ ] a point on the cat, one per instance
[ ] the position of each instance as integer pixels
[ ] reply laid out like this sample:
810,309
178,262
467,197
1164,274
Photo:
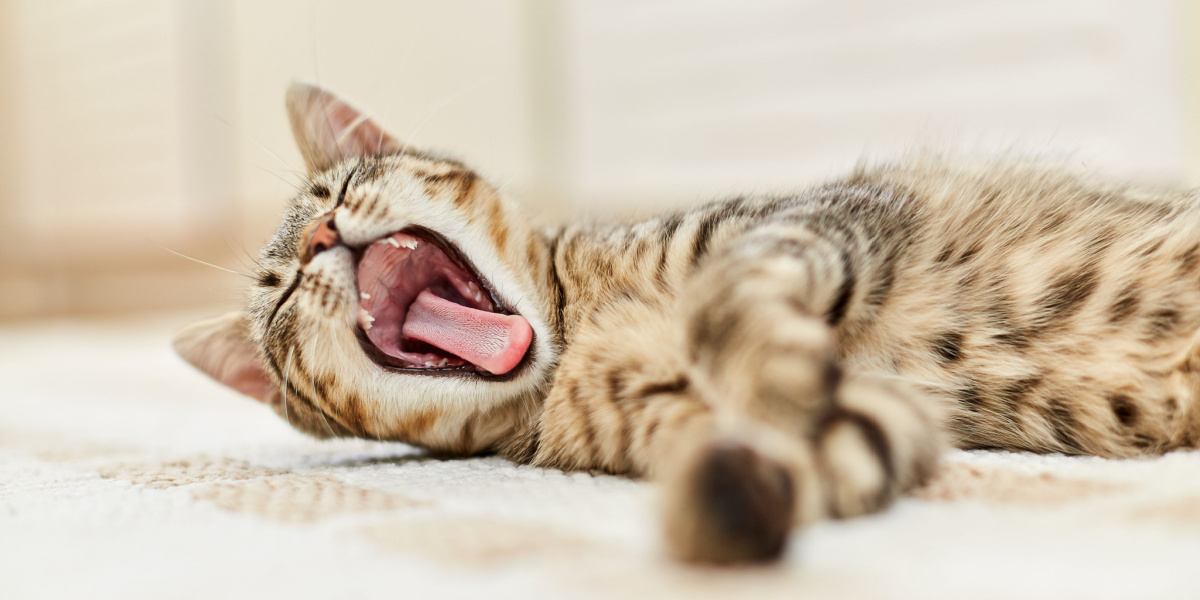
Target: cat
771,361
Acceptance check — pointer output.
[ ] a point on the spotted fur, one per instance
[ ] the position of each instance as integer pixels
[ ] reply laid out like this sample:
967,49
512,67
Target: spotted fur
771,360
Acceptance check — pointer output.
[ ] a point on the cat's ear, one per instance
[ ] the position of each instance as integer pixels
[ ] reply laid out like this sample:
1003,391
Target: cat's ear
328,130
223,350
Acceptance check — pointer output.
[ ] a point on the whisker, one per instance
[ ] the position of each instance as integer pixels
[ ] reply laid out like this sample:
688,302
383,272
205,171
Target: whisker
374,417
348,130
206,263
312,30
379,142
508,181
261,145
243,255
320,411
287,368
333,134
281,178
326,422
406,144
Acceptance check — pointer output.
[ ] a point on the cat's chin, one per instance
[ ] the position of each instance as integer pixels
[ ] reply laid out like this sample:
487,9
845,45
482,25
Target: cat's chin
424,309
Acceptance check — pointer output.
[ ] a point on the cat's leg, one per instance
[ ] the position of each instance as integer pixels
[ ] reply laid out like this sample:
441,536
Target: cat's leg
620,393
626,400
622,402
760,339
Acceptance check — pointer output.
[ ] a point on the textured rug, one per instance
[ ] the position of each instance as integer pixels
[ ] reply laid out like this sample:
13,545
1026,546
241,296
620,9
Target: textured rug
124,474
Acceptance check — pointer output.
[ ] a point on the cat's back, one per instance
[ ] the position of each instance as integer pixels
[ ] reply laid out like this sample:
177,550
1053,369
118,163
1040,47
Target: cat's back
1009,274
1022,197
1026,236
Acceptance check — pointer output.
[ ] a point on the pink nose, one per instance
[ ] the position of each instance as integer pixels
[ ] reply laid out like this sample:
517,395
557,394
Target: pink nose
319,236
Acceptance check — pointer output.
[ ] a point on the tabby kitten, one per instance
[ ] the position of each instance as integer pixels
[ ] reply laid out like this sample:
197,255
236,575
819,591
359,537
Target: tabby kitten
772,361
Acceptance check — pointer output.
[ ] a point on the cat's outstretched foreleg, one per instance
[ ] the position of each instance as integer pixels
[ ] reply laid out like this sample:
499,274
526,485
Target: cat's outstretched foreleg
760,338
731,395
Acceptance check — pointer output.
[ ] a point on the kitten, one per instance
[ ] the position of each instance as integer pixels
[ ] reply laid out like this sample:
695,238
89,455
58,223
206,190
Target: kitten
772,361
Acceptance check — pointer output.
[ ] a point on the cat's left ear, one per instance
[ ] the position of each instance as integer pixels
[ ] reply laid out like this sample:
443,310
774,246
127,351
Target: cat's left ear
223,350
328,130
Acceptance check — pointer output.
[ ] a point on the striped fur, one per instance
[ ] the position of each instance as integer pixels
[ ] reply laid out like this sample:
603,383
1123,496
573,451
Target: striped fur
772,361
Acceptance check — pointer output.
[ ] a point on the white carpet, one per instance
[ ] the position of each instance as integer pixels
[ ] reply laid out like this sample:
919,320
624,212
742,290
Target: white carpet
123,474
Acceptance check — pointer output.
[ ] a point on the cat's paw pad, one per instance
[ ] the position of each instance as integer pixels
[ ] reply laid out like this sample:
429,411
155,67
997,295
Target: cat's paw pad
729,504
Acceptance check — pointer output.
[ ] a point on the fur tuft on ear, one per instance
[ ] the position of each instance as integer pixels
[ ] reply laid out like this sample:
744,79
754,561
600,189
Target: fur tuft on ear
328,130
222,349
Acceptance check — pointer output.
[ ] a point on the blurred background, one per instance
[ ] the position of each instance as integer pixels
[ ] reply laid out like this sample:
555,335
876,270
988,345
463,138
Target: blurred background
136,131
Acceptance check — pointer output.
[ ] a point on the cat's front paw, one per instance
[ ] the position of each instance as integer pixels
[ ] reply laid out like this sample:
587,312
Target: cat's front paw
728,503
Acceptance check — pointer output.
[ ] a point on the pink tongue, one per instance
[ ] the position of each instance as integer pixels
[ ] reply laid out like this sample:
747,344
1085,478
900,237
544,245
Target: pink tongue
491,341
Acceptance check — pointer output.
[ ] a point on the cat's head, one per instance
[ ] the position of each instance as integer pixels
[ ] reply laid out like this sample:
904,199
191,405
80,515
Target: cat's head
401,297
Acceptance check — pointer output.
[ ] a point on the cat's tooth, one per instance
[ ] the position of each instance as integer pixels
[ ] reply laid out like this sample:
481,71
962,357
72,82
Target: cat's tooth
365,320
476,293
428,364
409,243
461,286
364,296
393,242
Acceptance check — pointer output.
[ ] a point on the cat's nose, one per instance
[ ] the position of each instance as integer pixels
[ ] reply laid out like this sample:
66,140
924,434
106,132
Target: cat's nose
319,236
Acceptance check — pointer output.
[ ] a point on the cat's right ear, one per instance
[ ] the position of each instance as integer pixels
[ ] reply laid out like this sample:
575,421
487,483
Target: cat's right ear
328,130
223,350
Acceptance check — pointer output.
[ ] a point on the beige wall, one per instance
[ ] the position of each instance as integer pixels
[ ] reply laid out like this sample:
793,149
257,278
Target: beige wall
138,128
110,154
1189,21
669,100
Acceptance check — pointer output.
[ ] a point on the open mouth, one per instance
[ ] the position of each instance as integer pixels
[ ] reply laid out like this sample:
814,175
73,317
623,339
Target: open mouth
422,307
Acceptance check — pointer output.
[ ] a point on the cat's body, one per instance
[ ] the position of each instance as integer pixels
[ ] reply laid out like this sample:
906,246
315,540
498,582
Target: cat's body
771,360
